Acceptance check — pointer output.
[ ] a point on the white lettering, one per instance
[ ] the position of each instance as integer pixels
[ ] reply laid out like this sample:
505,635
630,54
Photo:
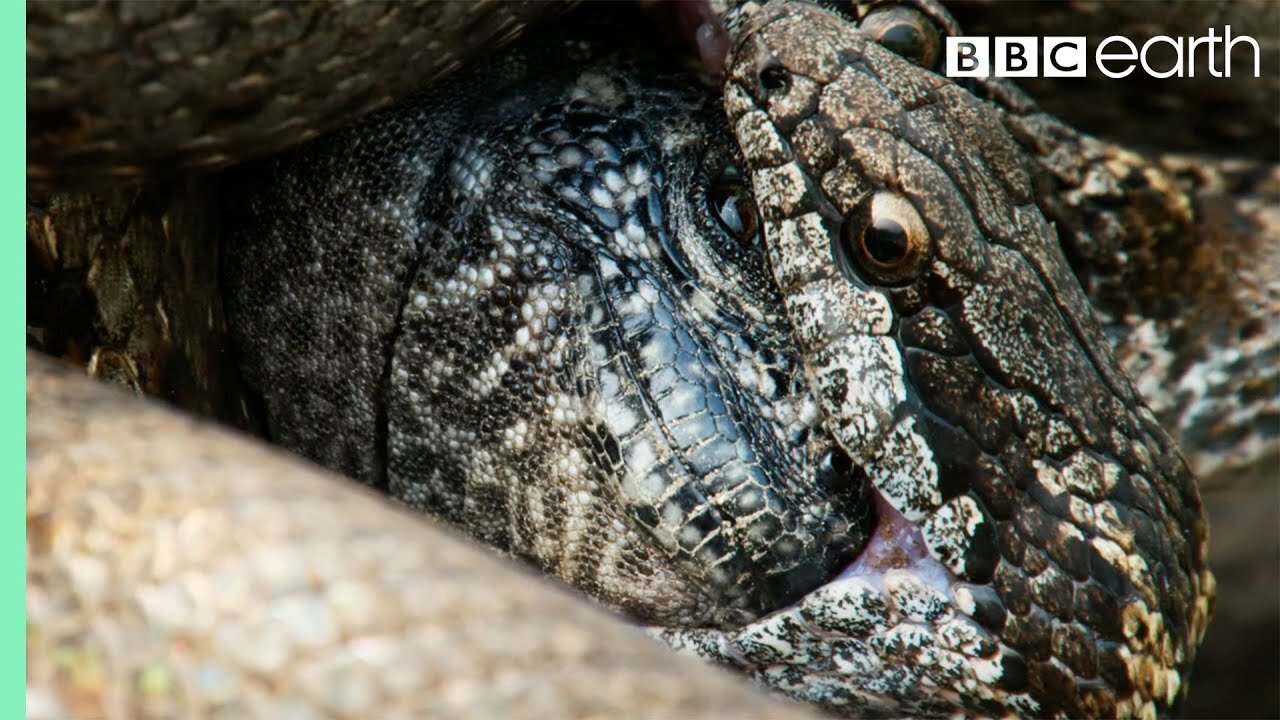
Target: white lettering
1177,50
968,57
1064,56
1191,52
1257,68
1016,57
1116,56
1100,56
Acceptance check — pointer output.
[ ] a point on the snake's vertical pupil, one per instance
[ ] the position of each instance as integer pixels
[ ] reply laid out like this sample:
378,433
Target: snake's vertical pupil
885,241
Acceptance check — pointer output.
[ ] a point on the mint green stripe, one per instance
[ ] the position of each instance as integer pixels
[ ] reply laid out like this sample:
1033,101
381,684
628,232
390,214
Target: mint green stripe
13,660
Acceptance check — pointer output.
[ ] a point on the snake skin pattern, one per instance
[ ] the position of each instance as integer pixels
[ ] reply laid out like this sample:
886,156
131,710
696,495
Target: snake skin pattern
885,489
947,389
214,83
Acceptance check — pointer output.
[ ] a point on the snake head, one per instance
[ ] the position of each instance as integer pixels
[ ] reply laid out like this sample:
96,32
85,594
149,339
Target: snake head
1050,540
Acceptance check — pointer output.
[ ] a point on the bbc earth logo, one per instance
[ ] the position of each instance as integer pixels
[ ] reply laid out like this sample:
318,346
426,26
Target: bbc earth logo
1115,56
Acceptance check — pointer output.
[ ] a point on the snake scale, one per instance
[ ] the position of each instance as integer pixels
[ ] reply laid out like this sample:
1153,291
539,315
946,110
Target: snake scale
729,287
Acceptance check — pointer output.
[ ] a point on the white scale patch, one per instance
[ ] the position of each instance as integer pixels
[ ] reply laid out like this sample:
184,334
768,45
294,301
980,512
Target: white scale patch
759,139
779,190
683,400
905,473
598,88
915,599
571,470
1151,367
966,638
736,100
638,176
711,645
490,377
1060,437
852,607
569,463
1089,477
859,383
600,197
1081,513
619,418
776,639
799,250
515,437
825,311
472,172
989,671
704,306
1112,554
1049,478
854,658
642,483
949,531
658,350
1106,522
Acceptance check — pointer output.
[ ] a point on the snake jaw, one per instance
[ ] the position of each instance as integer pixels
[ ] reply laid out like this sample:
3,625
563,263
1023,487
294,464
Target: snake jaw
894,633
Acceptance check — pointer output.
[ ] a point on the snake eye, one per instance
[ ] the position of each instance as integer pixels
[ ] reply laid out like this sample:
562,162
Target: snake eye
907,32
885,237
731,204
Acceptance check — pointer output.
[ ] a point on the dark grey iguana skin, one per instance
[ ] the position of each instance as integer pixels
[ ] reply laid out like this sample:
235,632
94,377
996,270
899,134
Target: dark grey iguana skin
482,306
522,314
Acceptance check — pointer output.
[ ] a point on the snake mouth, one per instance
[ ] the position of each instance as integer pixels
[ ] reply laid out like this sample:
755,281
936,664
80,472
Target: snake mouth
885,539
892,633
893,546
895,543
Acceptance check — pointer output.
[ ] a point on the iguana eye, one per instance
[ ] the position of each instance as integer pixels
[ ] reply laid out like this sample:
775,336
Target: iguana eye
886,238
732,206
907,32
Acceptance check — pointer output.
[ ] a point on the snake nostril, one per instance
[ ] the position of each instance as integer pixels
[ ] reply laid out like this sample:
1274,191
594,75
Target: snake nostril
774,78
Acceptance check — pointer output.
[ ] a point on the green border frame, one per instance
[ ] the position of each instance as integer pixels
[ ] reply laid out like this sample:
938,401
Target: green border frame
13,416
